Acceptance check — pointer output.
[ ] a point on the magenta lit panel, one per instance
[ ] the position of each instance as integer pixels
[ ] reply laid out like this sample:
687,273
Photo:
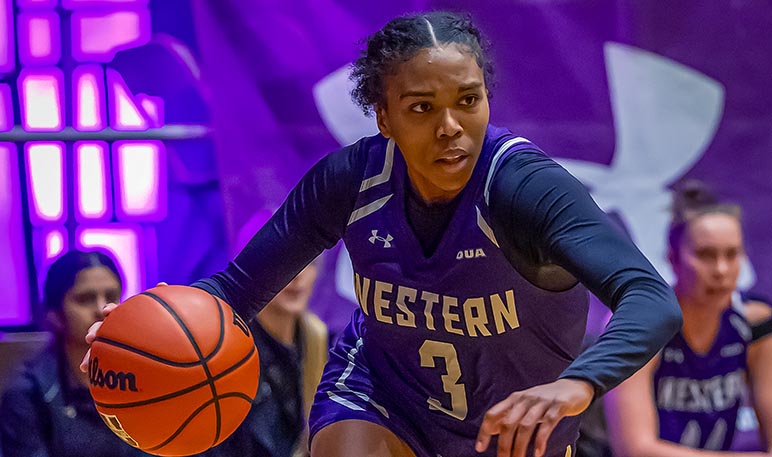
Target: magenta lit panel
97,35
45,182
48,244
88,89
15,309
54,242
75,4
41,93
139,174
124,242
153,108
7,35
39,38
93,183
125,111
39,4
6,108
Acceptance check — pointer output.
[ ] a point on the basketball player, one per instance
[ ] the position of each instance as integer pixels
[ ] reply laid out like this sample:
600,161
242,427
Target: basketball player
688,396
47,411
471,251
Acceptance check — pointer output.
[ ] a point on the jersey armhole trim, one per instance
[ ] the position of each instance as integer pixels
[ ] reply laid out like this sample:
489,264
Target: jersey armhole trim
495,163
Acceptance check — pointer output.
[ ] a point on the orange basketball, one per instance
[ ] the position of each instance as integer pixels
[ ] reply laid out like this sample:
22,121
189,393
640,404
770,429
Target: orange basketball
173,371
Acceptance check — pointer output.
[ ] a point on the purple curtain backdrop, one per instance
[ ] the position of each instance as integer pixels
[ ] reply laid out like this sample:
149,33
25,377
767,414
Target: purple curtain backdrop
631,97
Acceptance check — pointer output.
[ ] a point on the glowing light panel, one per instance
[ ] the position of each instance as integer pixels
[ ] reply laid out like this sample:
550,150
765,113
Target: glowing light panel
13,262
72,4
45,178
39,38
125,113
139,169
55,243
123,242
42,100
92,181
7,43
36,3
89,93
6,108
153,108
98,35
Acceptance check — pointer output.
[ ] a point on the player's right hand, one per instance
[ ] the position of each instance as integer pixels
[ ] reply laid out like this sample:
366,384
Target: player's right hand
92,331
535,410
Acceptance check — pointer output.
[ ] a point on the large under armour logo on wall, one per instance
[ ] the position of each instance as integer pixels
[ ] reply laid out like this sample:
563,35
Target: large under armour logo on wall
665,116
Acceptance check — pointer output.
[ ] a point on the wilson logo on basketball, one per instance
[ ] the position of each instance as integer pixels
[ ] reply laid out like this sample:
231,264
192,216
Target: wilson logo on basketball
111,379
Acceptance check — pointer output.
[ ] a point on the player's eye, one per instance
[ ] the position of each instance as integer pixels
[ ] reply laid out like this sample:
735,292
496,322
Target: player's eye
85,298
469,100
420,107
707,255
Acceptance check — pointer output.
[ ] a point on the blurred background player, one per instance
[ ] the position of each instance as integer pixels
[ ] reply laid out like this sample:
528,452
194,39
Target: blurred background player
47,411
685,401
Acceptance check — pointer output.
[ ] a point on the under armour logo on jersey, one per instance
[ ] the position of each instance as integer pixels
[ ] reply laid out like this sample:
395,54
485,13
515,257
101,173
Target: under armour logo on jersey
386,241
470,254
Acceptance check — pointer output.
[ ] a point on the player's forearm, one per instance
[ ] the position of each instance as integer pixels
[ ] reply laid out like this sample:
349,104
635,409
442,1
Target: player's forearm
760,374
645,320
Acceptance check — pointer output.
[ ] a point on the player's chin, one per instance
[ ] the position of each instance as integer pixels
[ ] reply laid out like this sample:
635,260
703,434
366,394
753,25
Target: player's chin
719,291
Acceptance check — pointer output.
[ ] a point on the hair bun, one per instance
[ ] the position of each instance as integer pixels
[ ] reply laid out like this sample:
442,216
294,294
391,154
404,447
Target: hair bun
692,195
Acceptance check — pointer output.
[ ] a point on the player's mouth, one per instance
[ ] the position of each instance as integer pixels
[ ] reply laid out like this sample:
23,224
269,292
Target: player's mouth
453,160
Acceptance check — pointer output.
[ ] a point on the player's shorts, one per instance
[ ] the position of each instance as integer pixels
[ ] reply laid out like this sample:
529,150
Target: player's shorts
347,392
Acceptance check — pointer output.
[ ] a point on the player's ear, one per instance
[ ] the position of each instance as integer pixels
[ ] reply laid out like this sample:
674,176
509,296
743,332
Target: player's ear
383,122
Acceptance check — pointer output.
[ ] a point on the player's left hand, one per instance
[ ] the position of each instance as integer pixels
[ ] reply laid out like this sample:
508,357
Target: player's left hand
515,418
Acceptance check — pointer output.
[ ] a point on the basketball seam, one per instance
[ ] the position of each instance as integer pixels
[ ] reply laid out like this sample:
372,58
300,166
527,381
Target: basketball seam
118,344
196,348
222,330
196,413
178,393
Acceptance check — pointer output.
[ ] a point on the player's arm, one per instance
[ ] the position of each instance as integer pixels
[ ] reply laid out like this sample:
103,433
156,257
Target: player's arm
631,419
311,219
541,215
549,216
759,315
21,430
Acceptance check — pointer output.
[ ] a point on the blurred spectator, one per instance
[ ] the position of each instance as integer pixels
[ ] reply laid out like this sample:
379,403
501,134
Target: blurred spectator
685,401
47,410
293,345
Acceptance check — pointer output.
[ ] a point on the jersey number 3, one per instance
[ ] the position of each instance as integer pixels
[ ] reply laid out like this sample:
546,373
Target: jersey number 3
431,350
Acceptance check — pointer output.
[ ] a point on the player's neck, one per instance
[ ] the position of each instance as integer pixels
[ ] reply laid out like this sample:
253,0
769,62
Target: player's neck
702,305
702,319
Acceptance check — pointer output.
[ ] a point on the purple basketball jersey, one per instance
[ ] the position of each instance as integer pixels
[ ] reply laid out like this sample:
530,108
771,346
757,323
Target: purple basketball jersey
698,395
448,336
